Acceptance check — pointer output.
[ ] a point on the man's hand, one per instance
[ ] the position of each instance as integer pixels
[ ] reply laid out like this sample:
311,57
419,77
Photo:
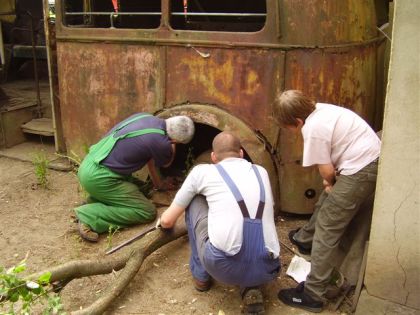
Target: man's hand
327,172
167,184
327,186
159,226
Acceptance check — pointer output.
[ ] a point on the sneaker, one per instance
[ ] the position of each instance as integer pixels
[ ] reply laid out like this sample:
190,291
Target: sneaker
202,286
253,301
296,297
302,248
86,233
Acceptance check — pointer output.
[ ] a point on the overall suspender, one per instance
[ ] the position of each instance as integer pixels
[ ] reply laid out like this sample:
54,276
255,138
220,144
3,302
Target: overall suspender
237,194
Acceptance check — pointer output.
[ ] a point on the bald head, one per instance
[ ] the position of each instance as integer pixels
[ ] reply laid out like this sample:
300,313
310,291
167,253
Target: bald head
226,145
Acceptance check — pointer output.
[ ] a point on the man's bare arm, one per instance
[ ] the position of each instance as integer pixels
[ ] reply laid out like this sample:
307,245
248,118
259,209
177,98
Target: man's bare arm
157,182
170,215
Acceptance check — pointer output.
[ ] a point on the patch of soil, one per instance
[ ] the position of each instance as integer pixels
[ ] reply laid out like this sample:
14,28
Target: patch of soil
39,222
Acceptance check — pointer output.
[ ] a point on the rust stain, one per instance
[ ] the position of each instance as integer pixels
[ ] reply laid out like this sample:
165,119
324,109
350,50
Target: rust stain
104,84
241,81
215,76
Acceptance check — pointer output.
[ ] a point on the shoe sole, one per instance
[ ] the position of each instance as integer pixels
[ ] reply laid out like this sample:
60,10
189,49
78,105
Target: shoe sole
202,289
254,302
306,308
257,309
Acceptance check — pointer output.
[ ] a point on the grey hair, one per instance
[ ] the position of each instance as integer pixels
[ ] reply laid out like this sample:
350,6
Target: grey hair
180,128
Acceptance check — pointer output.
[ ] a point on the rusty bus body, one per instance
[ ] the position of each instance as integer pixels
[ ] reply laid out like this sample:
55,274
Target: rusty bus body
221,67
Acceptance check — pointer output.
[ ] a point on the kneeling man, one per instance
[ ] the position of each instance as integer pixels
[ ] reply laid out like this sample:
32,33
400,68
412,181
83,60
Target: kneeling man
230,222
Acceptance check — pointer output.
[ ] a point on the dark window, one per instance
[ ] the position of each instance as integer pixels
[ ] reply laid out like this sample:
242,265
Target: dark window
218,15
113,13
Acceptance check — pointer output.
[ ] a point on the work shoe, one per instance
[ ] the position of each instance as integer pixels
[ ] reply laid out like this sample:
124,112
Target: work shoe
253,301
297,297
305,250
86,233
202,286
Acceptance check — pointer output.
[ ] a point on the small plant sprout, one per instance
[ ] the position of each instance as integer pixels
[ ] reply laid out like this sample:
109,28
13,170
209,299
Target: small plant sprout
40,162
111,232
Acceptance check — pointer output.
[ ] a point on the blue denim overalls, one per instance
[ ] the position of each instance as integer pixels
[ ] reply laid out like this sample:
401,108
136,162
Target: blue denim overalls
253,265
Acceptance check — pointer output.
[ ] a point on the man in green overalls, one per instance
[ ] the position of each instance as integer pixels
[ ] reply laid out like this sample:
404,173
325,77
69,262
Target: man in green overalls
105,173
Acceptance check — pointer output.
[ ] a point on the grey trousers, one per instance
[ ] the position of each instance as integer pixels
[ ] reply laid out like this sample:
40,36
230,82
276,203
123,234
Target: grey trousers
332,214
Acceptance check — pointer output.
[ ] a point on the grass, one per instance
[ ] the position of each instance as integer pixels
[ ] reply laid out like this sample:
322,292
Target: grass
40,163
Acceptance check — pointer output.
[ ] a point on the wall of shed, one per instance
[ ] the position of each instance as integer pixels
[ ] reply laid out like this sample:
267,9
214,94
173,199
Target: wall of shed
393,271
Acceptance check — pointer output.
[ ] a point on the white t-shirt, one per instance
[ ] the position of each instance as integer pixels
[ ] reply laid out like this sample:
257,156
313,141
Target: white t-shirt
336,135
225,218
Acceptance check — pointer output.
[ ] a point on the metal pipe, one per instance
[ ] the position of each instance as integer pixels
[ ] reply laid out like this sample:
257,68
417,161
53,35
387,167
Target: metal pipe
220,14
172,13
108,13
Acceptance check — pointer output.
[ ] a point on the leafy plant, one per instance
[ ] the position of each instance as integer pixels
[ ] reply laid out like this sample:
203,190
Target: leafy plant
20,295
41,169
189,161
111,232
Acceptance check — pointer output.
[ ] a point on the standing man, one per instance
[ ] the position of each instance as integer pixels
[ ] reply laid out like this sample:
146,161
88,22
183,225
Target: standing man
346,151
105,172
230,221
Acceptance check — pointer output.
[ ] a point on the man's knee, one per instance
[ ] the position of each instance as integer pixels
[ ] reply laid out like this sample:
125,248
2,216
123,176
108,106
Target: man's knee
198,208
198,202
149,211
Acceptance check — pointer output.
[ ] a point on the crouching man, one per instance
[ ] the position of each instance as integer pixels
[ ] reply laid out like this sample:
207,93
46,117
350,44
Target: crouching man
230,221
105,173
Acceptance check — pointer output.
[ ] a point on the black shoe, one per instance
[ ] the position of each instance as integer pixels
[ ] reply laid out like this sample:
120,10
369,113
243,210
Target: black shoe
296,297
253,301
302,248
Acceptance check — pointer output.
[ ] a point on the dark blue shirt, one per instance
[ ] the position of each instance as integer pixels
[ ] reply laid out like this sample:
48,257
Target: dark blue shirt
131,154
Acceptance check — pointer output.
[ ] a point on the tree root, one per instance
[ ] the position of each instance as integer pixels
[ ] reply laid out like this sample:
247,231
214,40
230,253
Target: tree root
129,260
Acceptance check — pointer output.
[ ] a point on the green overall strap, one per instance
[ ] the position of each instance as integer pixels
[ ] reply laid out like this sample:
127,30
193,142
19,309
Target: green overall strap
100,150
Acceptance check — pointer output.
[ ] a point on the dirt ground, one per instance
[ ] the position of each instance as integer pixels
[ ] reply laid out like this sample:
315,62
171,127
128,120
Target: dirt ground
38,222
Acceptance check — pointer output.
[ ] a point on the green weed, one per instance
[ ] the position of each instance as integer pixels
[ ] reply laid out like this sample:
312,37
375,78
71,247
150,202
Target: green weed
111,232
41,169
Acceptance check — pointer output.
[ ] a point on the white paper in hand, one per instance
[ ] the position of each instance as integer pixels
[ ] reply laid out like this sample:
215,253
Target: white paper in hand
298,269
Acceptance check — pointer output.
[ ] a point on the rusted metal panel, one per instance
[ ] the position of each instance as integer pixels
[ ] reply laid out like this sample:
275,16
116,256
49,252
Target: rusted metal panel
345,77
101,84
320,22
302,190
243,82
